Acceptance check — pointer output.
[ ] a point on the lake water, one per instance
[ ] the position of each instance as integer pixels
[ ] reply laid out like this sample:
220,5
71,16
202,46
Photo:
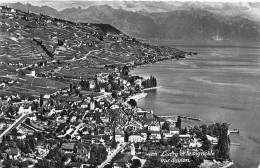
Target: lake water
220,84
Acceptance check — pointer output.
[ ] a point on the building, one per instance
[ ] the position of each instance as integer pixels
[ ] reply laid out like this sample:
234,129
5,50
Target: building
174,130
119,136
138,82
154,127
92,103
84,104
33,73
136,138
92,84
155,136
68,147
13,153
23,110
102,90
122,160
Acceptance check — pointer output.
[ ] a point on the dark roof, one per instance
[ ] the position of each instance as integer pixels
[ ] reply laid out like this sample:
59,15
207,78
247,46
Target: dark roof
123,158
87,137
12,151
68,146
174,129
101,130
107,129
74,164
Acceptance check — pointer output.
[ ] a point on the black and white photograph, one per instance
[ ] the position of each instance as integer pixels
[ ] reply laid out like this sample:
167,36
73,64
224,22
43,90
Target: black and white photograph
129,84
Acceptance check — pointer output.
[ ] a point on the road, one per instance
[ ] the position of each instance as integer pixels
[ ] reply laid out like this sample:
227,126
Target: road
15,124
110,157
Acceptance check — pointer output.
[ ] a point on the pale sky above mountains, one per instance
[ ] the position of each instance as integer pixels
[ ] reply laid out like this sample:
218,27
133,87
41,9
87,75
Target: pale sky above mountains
249,9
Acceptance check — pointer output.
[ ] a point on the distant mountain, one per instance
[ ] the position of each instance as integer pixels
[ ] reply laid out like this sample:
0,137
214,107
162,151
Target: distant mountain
129,22
203,25
191,24
35,9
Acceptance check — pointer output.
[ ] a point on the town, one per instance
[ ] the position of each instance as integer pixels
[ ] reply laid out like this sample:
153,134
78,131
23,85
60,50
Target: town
54,113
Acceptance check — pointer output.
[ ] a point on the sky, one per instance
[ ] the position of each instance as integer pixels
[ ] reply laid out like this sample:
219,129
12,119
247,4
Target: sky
246,8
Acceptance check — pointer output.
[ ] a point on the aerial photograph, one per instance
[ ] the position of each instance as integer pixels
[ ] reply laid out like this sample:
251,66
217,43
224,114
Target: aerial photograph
129,84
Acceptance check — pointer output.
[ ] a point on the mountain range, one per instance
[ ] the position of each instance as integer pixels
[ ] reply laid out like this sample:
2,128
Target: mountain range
184,24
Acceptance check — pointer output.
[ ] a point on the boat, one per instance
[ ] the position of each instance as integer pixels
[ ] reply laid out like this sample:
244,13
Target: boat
234,131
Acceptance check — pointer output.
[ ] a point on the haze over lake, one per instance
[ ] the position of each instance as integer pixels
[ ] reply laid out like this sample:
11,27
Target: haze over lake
220,84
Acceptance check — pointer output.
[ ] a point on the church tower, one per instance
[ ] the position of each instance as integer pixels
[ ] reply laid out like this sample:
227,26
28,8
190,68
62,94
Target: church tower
92,104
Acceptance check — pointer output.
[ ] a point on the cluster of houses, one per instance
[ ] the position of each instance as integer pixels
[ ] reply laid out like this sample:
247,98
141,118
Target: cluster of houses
91,120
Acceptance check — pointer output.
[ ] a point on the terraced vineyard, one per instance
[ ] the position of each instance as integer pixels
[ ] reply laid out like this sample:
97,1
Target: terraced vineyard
41,54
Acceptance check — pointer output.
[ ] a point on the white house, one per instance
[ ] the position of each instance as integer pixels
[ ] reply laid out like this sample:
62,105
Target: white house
12,10
114,106
22,110
92,84
33,73
119,138
138,82
212,139
136,138
153,127
46,96
102,90
155,135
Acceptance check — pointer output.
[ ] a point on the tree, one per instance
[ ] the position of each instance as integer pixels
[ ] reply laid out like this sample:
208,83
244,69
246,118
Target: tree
178,123
98,154
108,166
204,129
184,131
41,100
132,102
39,136
61,127
14,131
216,129
27,147
56,155
3,140
196,130
114,94
166,126
174,140
8,162
135,163
67,136
206,145
10,110
223,142
113,144
32,143
125,70
164,142
28,121
44,163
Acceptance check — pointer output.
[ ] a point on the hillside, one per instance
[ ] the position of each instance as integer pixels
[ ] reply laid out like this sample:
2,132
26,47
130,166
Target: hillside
192,24
40,53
